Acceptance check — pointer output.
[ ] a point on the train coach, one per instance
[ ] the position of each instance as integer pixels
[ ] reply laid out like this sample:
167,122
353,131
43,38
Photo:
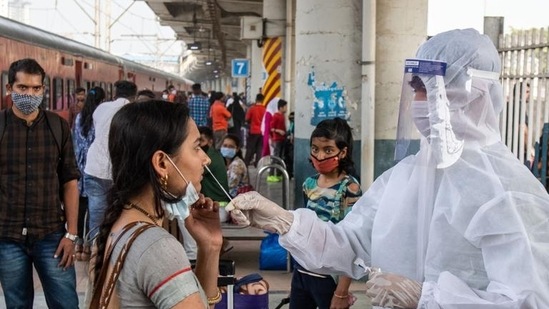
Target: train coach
70,64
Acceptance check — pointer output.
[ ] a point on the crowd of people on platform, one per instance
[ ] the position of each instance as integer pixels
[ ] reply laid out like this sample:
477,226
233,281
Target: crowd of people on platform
459,224
102,193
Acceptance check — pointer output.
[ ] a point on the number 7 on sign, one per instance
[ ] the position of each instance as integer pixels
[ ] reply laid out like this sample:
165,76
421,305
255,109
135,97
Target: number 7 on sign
240,67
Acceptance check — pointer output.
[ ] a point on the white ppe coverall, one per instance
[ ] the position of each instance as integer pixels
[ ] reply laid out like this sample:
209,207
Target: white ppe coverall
476,233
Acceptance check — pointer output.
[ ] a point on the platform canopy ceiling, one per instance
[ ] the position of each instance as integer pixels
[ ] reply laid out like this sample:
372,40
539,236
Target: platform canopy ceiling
213,25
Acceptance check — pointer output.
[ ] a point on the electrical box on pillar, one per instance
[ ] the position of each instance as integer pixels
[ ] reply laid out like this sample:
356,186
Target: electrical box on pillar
251,28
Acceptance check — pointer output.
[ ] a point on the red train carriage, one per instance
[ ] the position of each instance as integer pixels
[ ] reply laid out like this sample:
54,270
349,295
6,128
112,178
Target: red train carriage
70,64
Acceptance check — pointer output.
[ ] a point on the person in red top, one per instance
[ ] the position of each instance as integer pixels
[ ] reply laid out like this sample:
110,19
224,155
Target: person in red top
171,93
254,143
278,134
220,116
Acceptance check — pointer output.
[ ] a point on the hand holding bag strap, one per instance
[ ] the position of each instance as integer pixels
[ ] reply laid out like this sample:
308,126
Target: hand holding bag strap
98,289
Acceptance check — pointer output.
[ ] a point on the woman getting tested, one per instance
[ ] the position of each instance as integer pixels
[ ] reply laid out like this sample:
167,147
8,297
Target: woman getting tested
157,165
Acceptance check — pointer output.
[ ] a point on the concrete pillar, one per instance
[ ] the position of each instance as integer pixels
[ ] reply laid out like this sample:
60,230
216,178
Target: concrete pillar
493,28
218,86
274,11
368,114
328,71
401,28
257,76
226,85
289,55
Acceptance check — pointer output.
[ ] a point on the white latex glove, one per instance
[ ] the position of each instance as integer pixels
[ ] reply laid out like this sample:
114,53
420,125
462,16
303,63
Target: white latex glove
393,291
251,208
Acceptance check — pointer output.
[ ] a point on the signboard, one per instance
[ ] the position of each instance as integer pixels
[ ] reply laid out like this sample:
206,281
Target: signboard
240,68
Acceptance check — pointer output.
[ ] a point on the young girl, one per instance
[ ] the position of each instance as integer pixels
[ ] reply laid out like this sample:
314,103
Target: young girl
331,194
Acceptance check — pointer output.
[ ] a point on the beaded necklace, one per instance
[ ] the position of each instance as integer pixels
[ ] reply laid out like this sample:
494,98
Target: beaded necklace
143,211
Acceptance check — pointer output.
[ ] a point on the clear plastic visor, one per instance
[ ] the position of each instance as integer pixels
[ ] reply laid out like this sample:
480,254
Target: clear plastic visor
414,110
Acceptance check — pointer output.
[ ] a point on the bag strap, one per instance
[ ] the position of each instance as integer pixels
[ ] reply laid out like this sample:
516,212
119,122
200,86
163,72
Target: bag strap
56,128
3,123
102,301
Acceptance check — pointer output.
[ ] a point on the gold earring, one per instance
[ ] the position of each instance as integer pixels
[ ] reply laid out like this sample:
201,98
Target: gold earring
164,182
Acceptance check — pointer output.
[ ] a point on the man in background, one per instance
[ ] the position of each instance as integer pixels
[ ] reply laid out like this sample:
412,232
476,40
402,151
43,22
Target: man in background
199,106
97,174
77,105
278,135
145,95
254,144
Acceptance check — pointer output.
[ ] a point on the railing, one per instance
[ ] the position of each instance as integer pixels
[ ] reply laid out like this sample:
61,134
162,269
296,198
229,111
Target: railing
272,162
525,78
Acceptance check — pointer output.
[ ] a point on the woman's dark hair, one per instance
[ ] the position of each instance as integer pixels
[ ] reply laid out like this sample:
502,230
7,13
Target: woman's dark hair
338,130
236,140
216,96
137,131
95,96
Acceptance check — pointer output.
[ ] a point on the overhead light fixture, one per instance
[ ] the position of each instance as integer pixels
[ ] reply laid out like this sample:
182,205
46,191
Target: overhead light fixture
195,46
208,62
216,71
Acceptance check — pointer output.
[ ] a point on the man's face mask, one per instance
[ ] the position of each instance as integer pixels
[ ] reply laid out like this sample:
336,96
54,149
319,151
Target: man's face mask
26,103
180,210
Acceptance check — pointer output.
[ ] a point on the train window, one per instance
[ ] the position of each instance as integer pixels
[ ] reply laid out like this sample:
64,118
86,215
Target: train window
71,88
58,93
4,81
47,94
109,91
95,84
86,84
103,85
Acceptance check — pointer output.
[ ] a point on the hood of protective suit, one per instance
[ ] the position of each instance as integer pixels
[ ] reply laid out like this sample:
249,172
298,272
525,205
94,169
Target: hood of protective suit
475,97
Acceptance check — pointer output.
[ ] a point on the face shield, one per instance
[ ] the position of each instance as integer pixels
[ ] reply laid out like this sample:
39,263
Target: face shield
425,111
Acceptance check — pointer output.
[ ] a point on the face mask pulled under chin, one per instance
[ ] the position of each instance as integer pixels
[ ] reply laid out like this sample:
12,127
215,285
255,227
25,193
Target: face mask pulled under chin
181,210
420,115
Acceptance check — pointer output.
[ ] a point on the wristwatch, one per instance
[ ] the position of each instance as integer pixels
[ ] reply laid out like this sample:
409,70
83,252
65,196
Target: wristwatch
72,237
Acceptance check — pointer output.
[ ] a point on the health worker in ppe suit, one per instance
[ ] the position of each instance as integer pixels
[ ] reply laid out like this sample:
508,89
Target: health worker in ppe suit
460,224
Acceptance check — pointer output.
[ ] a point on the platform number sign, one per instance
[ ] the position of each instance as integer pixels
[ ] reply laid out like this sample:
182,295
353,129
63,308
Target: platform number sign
240,67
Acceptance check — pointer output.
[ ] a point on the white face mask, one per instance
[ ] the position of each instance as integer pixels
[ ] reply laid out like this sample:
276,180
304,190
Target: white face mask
164,96
181,209
420,115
